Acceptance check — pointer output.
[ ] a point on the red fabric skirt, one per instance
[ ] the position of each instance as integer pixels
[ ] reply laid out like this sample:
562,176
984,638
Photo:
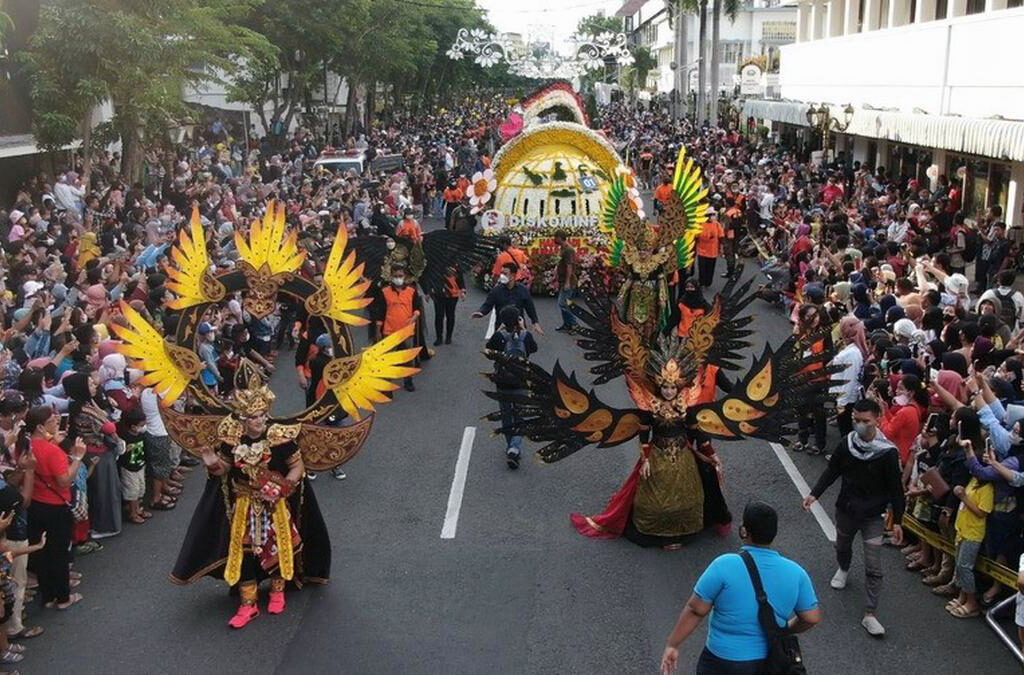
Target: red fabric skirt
610,523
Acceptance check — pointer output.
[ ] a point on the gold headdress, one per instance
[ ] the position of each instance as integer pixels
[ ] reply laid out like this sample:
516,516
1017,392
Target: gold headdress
671,374
251,395
670,364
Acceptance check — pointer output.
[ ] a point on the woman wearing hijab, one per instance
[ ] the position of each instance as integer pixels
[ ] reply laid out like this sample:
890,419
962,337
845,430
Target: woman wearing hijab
91,423
851,359
113,379
863,308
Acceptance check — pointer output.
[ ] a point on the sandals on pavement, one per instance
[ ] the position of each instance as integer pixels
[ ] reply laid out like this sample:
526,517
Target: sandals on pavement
961,612
73,599
11,656
164,505
27,633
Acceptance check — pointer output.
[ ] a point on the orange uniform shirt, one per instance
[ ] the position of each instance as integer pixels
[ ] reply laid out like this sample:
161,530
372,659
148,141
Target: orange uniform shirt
708,241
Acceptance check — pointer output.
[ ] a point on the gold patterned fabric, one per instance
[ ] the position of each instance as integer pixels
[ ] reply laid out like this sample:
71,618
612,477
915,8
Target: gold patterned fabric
670,502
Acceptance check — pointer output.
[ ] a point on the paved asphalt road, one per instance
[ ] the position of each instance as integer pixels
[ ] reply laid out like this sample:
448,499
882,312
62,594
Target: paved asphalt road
516,591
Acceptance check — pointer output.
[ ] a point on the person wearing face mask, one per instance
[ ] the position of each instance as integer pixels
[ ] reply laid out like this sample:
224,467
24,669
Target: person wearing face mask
924,456
901,421
869,465
396,306
1011,301
507,291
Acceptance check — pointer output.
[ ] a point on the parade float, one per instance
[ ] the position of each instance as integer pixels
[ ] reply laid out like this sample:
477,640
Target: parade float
552,174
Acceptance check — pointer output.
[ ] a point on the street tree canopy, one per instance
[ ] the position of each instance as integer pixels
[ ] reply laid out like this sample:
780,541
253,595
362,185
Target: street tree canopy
138,56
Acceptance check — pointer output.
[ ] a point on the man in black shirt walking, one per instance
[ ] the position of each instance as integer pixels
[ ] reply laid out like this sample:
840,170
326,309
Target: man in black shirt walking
510,292
869,465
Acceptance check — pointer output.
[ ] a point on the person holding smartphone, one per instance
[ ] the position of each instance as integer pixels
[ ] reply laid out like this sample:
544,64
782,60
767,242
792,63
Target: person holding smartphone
50,510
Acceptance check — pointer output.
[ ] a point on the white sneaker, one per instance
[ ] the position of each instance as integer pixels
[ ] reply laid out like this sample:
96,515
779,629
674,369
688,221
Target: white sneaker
872,626
839,579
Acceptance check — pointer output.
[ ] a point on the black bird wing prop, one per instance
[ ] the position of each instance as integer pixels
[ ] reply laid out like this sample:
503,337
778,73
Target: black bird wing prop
443,249
371,251
717,337
557,411
614,344
779,387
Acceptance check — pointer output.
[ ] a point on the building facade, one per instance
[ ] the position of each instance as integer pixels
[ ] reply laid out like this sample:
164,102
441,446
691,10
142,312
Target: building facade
933,85
760,28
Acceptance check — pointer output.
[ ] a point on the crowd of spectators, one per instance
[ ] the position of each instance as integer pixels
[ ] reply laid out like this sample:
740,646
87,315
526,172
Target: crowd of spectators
920,298
84,454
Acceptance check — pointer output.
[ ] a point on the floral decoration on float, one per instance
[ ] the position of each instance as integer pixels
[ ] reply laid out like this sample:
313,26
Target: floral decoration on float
553,173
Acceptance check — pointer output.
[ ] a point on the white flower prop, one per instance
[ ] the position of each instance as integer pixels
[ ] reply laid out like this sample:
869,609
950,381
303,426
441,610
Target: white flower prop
488,59
480,34
627,175
593,63
481,187
454,54
636,201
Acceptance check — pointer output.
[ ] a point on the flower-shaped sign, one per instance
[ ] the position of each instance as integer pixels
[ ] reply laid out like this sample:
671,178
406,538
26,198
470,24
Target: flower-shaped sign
480,190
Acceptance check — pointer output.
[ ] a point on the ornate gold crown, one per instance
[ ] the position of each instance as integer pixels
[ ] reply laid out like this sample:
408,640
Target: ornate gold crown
251,395
670,374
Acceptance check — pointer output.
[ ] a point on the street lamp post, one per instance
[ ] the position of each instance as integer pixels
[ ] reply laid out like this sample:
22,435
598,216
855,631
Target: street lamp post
820,119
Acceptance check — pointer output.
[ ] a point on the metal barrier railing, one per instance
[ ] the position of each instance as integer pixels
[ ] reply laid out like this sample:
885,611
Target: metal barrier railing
990,568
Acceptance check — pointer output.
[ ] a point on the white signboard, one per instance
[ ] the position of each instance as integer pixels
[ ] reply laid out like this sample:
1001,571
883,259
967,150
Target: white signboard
751,83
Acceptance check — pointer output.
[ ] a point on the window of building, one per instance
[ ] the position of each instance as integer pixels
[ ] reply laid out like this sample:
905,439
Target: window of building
778,31
732,52
913,12
883,14
941,9
975,6
1010,4
860,15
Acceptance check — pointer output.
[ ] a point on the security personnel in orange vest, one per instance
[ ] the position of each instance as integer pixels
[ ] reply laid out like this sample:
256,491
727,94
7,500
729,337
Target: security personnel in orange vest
509,253
397,306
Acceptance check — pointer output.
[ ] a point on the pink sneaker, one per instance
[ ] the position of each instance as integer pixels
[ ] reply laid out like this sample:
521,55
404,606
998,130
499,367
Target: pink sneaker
276,603
244,615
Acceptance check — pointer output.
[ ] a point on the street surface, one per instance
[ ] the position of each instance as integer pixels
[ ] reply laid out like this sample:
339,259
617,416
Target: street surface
515,590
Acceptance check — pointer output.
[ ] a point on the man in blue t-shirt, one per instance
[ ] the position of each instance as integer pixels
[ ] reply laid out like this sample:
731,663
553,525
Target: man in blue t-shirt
736,644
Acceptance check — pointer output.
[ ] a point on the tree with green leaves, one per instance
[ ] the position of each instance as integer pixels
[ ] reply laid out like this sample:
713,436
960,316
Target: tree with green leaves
599,23
139,57
643,62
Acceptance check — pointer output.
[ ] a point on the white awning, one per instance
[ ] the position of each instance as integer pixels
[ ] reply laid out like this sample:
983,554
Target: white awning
790,112
999,139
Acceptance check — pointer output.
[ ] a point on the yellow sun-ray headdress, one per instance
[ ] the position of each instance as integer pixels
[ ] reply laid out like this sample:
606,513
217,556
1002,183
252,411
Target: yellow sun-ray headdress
343,290
189,276
362,380
168,367
270,245
685,211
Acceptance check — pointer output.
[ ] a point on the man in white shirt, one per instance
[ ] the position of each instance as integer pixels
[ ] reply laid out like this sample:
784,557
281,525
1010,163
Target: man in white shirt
1012,300
68,194
767,202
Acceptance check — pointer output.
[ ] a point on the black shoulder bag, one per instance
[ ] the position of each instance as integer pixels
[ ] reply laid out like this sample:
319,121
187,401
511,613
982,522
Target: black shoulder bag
784,657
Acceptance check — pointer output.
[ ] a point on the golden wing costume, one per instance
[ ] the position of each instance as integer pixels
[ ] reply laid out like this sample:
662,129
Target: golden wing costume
627,335
252,509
